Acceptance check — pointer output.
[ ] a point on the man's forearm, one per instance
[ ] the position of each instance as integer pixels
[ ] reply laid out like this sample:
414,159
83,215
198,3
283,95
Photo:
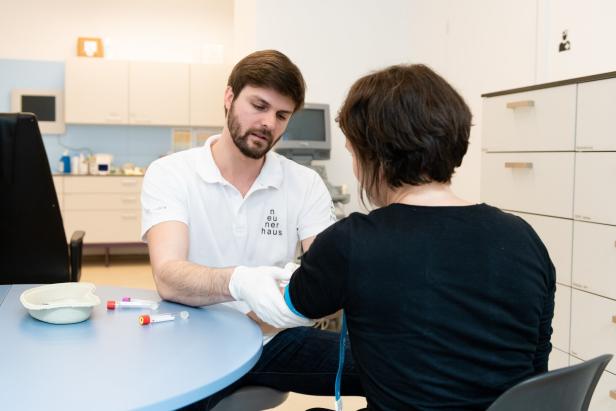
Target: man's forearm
193,284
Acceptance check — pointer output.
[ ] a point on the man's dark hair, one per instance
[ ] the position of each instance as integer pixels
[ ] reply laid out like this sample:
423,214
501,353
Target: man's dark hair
406,125
271,69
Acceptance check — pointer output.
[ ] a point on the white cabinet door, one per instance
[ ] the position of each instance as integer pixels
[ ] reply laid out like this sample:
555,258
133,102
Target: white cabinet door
557,235
595,116
562,318
558,359
58,183
106,226
96,91
595,187
539,120
207,88
593,326
594,258
159,93
539,183
100,185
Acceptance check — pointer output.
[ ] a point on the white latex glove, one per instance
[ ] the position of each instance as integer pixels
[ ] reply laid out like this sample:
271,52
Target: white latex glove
288,269
259,288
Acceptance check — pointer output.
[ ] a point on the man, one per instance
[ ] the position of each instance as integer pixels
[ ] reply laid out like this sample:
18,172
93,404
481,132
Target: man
221,220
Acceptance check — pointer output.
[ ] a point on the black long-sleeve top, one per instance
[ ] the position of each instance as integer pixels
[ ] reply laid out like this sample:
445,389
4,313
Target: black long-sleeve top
446,307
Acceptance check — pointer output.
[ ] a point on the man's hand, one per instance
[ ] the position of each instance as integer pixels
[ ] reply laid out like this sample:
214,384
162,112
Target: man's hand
259,287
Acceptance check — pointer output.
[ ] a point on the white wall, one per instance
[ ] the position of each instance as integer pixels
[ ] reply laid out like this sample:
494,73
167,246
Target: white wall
157,30
478,45
591,31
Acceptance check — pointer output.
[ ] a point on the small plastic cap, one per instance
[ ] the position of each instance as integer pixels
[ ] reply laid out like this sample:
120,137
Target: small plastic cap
111,305
125,299
144,319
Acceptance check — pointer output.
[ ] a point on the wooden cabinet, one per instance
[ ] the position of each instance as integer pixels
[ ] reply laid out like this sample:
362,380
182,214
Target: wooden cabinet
159,93
539,120
604,397
595,182
99,91
518,181
108,209
208,83
557,235
595,117
551,159
96,91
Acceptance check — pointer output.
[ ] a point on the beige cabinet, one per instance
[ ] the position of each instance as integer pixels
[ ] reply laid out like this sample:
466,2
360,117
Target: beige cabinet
99,91
519,181
595,118
561,155
595,187
158,93
96,91
207,88
593,326
557,235
594,259
106,208
538,120
562,318
558,359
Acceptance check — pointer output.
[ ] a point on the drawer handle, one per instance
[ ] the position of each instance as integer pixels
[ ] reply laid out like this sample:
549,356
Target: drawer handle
519,104
129,199
614,319
129,182
613,394
518,165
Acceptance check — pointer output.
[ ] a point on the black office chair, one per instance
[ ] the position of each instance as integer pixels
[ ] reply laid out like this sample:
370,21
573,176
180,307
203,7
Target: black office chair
33,247
564,389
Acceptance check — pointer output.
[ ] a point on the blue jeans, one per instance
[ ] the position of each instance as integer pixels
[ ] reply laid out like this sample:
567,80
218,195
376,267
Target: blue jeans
302,360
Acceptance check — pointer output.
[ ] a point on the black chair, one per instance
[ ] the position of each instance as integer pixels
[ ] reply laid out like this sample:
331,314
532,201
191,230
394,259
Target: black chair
564,389
33,247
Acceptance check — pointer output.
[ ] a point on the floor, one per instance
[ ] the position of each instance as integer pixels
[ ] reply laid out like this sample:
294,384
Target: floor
134,271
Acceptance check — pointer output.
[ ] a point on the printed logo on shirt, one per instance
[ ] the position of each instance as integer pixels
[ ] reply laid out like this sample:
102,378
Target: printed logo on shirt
272,226
332,212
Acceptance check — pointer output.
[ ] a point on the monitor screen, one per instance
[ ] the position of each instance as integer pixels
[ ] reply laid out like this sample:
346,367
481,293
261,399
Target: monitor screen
43,106
307,136
307,124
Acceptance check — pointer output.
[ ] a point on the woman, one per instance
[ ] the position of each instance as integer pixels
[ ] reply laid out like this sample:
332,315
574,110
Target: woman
447,303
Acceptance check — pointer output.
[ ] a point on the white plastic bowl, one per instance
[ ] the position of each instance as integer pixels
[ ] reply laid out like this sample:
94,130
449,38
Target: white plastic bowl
62,303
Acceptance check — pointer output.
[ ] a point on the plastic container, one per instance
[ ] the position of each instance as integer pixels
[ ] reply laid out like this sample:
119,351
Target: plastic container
65,163
62,303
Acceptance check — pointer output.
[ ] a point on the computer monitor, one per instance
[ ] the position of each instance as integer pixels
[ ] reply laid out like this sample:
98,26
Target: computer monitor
307,136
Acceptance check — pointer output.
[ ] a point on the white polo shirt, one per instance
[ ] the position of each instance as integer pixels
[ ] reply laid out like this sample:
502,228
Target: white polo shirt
286,203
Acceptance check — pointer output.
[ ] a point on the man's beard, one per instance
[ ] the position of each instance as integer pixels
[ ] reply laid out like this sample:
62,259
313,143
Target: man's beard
241,139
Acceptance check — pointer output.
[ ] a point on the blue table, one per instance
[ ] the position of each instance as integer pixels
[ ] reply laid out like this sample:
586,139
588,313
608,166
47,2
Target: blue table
110,362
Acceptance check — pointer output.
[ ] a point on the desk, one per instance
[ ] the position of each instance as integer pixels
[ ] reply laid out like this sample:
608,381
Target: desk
110,362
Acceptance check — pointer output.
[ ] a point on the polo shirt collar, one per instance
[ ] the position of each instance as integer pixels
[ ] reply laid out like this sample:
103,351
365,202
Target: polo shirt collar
270,175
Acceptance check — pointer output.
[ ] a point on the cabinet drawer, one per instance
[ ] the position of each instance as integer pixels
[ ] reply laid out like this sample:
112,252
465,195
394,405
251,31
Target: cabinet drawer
105,226
96,184
595,116
91,201
539,120
562,318
604,397
593,326
540,183
594,258
557,235
558,359
595,196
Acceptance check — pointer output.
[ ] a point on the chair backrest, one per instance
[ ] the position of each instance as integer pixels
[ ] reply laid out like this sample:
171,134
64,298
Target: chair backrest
33,247
564,389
